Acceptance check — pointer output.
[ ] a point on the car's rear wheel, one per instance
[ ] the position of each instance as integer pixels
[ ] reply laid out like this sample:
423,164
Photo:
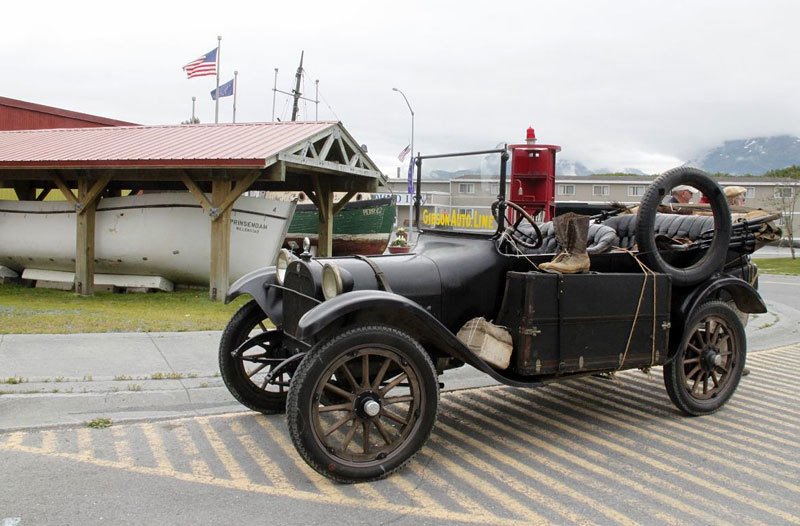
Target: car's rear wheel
708,364
363,404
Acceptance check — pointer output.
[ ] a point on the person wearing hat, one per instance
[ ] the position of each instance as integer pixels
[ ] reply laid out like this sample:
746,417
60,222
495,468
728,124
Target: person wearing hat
735,195
682,194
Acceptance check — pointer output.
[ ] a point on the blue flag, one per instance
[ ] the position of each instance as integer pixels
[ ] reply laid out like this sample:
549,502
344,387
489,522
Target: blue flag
226,90
411,175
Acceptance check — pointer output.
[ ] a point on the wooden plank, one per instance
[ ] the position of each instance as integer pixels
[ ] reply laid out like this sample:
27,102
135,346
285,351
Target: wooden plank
325,206
68,195
220,242
196,192
323,154
84,243
241,187
25,191
93,193
343,201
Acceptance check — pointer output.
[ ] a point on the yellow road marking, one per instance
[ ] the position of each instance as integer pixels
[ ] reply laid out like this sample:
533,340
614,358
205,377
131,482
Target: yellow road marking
49,442
673,460
199,466
437,479
267,465
761,448
719,455
572,458
242,485
218,445
85,442
156,446
541,477
121,446
536,497
658,483
751,430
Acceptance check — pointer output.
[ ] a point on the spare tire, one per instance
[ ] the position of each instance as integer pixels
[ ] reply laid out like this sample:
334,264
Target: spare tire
714,257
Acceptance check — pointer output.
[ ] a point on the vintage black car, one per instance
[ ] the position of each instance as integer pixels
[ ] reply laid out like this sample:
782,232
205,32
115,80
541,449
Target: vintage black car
352,347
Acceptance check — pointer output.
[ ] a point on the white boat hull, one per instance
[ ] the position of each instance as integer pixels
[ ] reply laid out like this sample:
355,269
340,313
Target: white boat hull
165,234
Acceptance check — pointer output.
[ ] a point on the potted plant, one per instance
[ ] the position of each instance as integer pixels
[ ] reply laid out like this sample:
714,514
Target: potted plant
400,243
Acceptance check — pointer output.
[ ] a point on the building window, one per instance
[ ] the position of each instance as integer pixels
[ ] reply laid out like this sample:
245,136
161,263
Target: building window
466,188
784,192
636,190
751,192
494,188
566,189
600,189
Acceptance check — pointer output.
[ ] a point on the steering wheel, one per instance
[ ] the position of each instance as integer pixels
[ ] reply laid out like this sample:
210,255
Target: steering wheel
512,231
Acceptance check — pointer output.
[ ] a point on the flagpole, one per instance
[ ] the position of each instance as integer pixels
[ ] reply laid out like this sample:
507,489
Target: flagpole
216,108
235,86
274,92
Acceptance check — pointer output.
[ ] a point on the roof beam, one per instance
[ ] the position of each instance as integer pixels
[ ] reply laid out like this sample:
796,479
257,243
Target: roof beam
93,193
197,193
68,195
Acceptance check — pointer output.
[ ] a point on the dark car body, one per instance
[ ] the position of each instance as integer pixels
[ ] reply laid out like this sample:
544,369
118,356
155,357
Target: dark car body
390,315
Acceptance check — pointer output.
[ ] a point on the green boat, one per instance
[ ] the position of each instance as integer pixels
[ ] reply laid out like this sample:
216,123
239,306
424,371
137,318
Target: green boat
360,227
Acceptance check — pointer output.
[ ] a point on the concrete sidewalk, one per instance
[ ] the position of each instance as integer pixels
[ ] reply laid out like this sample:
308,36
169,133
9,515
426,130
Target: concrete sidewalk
48,379
66,379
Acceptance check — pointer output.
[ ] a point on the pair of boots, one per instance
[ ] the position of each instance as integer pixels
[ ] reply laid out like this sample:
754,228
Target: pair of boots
572,232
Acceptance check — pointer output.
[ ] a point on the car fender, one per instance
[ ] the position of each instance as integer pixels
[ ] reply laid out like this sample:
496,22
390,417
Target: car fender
434,336
258,284
745,296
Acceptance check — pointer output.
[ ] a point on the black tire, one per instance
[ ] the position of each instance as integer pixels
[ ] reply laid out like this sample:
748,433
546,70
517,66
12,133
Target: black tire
714,258
708,364
244,375
352,432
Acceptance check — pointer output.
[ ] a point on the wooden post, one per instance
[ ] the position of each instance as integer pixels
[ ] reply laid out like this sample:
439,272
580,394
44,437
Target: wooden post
84,246
325,207
220,240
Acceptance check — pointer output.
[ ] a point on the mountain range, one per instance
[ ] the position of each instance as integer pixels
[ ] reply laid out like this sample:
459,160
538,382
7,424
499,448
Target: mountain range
752,156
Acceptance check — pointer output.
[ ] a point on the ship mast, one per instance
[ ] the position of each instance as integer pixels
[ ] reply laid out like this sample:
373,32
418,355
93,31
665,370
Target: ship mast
296,92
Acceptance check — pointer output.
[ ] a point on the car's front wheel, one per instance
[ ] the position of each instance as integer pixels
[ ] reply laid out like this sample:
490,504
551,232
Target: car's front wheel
363,404
708,364
253,362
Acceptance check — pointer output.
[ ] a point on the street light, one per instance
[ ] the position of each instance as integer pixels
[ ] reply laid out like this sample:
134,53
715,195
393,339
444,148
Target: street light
411,174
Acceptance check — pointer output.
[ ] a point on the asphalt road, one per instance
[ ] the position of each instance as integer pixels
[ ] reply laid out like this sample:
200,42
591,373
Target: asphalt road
588,451
591,451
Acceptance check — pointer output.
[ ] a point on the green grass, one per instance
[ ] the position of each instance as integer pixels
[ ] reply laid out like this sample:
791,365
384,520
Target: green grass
99,423
787,266
43,311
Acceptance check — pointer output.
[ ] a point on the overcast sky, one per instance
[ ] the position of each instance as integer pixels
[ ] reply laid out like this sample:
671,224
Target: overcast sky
625,83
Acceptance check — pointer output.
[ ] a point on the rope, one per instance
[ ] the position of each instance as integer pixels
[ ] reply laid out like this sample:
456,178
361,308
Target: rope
647,271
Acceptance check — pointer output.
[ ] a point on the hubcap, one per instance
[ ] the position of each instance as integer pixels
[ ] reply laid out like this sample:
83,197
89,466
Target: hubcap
371,408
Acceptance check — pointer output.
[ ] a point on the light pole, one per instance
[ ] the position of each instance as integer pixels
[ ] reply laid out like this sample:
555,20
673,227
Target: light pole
410,171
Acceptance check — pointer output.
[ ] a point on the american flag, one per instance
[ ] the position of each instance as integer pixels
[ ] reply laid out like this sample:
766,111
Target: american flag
203,66
403,154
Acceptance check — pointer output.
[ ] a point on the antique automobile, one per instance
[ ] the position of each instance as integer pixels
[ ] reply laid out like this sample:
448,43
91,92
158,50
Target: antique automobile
351,348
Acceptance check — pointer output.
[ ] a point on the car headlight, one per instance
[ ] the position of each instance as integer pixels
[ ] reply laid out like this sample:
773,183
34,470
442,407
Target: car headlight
332,284
284,258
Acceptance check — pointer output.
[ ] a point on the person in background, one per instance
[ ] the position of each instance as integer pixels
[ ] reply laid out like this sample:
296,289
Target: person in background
682,194
735,195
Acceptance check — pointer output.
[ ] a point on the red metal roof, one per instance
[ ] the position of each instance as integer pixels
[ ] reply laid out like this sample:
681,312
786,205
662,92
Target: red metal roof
21,115
208,145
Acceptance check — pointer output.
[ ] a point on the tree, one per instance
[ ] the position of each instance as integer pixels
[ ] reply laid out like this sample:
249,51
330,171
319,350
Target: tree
786,200
193,120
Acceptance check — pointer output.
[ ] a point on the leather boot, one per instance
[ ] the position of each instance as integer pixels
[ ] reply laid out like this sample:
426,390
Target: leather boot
572,232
